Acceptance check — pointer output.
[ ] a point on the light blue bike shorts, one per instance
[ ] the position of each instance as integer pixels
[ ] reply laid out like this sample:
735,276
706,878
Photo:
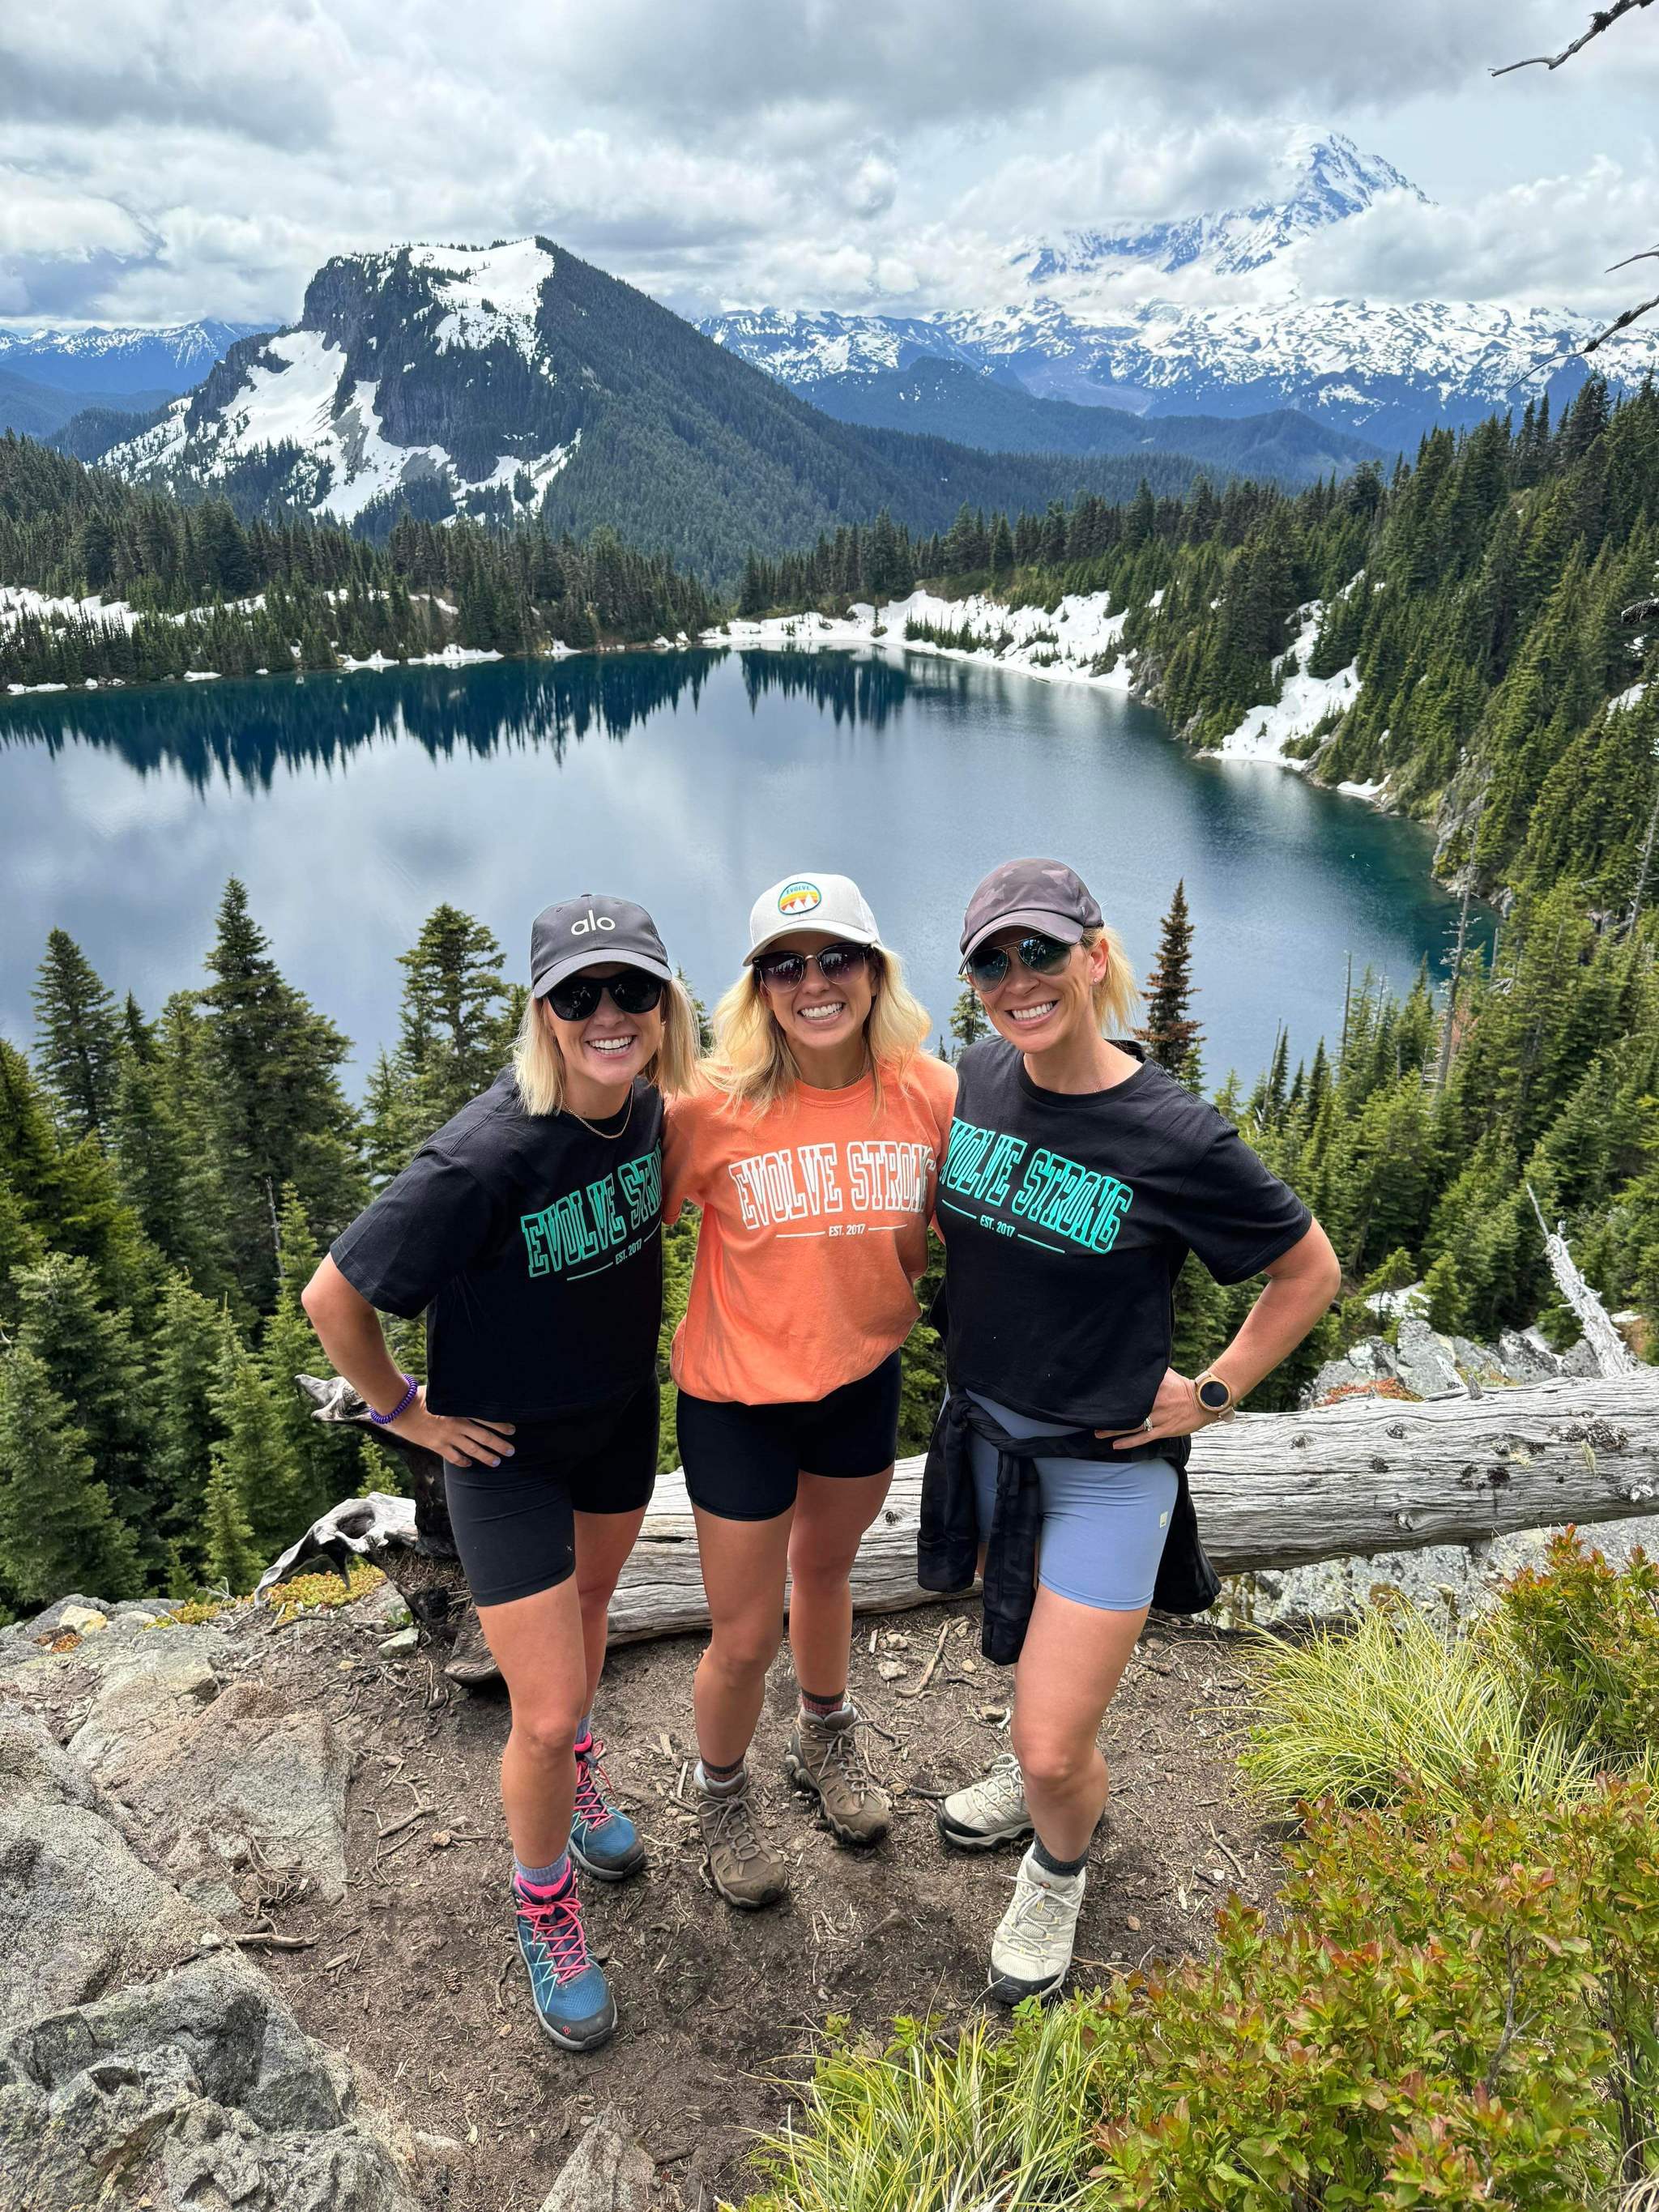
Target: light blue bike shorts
1102,1527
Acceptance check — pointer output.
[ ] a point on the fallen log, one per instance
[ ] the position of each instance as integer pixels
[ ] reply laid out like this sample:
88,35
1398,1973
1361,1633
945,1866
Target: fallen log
1273,1491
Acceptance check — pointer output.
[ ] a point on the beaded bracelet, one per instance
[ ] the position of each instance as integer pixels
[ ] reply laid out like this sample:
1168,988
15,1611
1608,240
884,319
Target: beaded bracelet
383,1420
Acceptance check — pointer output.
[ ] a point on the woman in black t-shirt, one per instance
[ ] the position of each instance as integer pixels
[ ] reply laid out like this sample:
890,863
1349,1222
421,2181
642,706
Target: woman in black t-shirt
1078,1176
528,1230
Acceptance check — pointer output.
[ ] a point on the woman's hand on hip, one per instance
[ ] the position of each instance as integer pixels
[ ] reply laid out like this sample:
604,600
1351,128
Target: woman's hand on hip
1176,1413
458,1438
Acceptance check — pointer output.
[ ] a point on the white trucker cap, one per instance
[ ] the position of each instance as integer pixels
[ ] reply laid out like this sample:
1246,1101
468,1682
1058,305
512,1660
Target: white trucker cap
834,904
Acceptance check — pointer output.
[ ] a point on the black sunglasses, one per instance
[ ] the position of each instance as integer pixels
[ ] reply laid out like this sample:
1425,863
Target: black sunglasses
786,970
1043,955
632,992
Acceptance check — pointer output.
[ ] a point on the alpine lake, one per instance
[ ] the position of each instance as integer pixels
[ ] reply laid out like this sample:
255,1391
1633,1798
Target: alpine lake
351,805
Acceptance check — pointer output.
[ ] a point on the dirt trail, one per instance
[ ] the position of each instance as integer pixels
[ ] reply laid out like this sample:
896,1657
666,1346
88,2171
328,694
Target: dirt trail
416,1973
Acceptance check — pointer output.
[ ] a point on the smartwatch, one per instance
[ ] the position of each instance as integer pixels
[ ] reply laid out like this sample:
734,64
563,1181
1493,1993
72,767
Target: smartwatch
1214,1396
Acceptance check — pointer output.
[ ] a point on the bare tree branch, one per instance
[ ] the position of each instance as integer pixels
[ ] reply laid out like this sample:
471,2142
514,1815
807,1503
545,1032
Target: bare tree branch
1639,611
1624,322
1651,254
1600,22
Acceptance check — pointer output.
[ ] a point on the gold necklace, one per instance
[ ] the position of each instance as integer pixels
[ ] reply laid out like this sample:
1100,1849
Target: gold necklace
606,1136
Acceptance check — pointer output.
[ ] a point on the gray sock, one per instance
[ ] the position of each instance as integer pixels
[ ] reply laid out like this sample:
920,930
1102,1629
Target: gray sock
1046,1859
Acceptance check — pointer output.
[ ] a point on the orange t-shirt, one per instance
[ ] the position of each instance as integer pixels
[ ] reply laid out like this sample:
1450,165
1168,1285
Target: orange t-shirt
814,1232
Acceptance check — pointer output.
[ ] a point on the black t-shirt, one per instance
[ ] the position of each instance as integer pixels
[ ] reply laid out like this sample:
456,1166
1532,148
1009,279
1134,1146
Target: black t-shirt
1065,1220
534,1249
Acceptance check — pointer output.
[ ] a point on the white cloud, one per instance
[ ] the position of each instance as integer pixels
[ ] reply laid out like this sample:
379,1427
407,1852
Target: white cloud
177,157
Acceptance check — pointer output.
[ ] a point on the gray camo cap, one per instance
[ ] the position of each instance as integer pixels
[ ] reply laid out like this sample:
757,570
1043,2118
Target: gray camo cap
1043,895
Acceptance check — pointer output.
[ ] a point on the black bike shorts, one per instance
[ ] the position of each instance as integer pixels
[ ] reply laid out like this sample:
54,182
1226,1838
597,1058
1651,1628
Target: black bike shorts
741,1462
514,1526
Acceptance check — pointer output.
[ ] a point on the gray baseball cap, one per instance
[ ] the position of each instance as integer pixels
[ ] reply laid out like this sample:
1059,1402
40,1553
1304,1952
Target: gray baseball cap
1045,894
579,932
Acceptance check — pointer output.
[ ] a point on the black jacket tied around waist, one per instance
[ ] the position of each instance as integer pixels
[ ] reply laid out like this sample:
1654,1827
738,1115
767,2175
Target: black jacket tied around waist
949,1534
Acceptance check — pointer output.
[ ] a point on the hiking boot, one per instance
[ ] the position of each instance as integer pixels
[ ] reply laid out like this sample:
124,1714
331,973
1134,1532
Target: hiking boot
988,1812
823,1756
572,1997
603,1840
1032,1950
745,1869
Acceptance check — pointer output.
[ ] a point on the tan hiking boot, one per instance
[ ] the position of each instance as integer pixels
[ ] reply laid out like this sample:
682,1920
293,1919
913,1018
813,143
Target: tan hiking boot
747,1870
824,1756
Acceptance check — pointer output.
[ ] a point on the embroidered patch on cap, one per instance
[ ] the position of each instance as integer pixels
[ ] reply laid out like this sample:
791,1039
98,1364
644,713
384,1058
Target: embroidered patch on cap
799,898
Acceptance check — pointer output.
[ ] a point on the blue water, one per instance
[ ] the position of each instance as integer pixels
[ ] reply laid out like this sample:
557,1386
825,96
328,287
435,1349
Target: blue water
350,806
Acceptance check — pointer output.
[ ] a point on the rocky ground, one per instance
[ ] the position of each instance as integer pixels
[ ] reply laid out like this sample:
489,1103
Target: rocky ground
254,1946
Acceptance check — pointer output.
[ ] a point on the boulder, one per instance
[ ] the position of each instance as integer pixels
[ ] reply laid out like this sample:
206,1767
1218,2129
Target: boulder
199,2089
1423,1360
80,1912
81,1621
155,1693
244,1790
608,2171
1525,1358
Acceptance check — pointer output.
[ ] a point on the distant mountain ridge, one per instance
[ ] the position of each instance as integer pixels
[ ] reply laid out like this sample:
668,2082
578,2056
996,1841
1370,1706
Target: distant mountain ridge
106,362
1072,329
952,400
513,379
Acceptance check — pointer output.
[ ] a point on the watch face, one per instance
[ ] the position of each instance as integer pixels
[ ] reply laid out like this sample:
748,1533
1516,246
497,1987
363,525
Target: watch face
1213,1397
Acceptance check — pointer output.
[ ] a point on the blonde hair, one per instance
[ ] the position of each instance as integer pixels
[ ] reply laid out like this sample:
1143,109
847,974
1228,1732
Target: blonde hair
538,1064
753,1060
1116,995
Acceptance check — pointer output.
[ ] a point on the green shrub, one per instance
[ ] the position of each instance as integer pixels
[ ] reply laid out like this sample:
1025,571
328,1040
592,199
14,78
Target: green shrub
1395,1705
1457,2012
1582,1639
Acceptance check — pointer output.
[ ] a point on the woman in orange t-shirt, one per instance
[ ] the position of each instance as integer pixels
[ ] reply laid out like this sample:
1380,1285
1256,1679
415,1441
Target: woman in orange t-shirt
812,1149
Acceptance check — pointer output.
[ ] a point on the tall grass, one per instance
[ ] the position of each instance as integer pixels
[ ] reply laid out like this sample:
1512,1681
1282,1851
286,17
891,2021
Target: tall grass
994,2122
1352,1715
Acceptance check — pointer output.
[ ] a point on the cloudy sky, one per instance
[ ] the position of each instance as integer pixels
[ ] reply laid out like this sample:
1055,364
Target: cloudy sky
165,159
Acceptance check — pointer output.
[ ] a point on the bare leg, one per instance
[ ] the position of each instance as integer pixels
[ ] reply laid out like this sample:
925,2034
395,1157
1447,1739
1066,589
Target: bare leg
538,1644
831,1515
604,1541
743,1570
1073,1659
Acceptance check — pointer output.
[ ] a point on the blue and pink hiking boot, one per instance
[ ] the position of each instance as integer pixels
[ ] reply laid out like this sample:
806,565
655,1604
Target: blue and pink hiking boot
603,1842
572,1997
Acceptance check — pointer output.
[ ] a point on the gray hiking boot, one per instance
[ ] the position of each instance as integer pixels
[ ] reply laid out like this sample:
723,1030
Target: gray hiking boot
1032,1950
988,1812
747,1870
824,1756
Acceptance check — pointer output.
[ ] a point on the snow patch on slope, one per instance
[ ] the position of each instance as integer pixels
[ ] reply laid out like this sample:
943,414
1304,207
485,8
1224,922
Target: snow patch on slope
1302,704
294,393
493,294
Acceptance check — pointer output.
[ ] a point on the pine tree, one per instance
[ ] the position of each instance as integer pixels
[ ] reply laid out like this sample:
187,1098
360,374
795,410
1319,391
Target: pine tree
969,1021
77,1039
57,1529
453,1039
321,1450
232,1559
253,1456
88,1350
272,1097
189,1344
1171,1036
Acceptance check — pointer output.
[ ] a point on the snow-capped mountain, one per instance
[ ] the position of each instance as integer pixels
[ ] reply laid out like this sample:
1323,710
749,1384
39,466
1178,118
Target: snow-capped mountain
1069,330
1330,180
105,361
510,379
419,374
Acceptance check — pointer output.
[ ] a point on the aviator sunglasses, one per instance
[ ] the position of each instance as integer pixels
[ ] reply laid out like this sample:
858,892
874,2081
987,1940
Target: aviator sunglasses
784,970
633,991
1043,955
